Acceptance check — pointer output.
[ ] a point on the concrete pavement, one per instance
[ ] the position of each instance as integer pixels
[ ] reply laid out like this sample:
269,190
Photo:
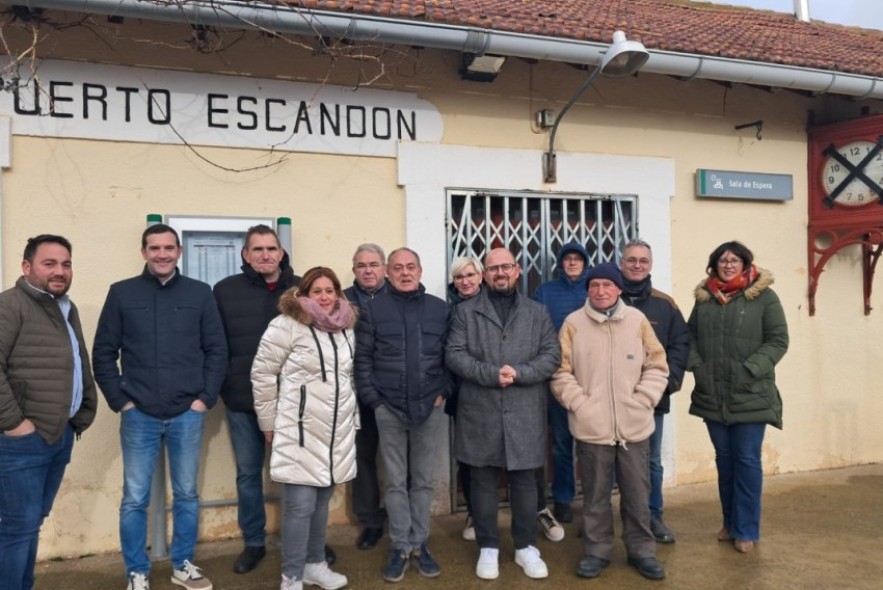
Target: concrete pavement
820,530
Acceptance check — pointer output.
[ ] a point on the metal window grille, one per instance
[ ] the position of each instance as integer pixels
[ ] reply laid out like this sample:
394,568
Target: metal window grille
534,226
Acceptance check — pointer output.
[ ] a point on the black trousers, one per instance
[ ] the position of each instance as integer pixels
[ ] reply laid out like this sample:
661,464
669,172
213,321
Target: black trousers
366,487
522,501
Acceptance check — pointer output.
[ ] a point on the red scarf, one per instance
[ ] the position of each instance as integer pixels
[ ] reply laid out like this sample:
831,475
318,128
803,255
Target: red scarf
725,291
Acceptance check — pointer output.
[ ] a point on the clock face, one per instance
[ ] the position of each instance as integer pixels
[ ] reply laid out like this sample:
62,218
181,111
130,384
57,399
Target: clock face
857,191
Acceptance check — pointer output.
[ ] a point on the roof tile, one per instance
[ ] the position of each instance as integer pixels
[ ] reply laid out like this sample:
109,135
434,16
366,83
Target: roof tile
671,25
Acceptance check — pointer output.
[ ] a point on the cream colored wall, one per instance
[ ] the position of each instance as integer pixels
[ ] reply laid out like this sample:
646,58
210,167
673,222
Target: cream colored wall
98,193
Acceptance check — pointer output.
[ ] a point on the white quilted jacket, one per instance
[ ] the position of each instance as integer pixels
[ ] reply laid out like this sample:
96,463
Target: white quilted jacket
303,393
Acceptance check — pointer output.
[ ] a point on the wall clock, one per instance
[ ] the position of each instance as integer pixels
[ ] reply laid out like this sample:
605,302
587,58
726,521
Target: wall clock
845,197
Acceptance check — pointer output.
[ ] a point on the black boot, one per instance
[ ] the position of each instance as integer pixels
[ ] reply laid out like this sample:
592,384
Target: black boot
249,559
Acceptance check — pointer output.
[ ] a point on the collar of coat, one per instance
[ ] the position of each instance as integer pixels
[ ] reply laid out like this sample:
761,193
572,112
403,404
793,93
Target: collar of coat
290,306
764,280
286,273
613,314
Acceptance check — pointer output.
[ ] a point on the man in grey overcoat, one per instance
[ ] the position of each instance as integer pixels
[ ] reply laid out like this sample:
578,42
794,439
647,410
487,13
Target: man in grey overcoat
504,348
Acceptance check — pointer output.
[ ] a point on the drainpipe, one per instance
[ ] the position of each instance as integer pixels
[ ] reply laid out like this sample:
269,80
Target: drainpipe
292,20
5,164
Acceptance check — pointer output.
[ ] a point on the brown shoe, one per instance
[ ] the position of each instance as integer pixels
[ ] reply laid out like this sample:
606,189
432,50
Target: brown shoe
743,546
724,535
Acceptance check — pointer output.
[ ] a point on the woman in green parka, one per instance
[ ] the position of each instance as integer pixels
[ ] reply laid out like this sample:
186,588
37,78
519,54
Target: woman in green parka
738,335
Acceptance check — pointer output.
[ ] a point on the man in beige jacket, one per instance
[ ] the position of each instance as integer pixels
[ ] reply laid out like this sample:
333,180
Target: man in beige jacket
612,374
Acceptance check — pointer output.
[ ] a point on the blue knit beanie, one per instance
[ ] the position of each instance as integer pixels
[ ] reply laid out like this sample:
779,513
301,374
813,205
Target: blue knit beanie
606,270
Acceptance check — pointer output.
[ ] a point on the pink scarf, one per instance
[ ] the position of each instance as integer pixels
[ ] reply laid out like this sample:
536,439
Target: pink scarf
339,318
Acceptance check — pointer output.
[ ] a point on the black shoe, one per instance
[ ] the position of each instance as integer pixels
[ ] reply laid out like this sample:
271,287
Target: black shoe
330,555
648,567
562,512
249,559
369,537
661,533
591,566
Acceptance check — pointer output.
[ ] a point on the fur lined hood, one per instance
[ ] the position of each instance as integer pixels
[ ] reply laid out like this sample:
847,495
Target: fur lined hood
290,306
764,280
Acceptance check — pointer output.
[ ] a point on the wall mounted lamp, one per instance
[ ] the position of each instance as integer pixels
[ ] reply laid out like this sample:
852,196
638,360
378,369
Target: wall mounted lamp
481,68
623,58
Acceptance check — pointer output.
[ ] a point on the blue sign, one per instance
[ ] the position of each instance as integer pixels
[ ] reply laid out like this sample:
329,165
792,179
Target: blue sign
744,185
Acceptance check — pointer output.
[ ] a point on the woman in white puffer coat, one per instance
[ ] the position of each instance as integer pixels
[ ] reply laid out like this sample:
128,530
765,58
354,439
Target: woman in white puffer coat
306,408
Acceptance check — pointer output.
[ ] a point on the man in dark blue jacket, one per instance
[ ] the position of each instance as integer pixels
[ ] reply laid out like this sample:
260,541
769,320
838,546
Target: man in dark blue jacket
562,296
400,374
369,270
167,334
674,334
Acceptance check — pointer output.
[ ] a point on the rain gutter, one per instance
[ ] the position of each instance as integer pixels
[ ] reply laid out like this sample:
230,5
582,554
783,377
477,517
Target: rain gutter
293,20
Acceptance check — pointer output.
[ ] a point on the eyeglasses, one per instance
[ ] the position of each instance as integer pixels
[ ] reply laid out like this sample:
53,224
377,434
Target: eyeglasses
639,261
730,262
505,268
362,267
466,277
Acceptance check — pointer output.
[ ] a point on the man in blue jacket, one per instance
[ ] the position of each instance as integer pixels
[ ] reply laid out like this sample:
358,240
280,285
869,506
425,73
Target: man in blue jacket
561,296
400,373
166,331
369,270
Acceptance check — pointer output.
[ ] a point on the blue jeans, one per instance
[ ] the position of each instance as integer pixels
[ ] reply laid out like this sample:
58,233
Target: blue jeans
737,450
249,448
30,475
563,479
656,470
141,436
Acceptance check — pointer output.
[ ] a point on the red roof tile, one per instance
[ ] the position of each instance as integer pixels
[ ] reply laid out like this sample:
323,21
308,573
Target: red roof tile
672,25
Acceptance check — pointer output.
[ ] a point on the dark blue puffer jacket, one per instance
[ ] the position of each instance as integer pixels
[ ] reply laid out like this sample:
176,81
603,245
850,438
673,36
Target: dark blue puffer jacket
169,341
400,346
562,296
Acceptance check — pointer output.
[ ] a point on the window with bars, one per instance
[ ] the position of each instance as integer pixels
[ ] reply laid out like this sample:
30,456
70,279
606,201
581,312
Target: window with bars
534,226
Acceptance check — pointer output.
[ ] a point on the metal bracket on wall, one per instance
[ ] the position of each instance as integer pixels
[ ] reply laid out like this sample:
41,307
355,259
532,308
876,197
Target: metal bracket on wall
825,242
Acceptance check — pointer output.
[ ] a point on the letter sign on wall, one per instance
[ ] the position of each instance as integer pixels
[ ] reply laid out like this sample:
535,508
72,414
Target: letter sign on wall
117,103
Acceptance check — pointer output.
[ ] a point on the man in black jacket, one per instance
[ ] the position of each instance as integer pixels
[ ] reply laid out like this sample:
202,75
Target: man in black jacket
369,270
400,374
674,334
247,302
165,330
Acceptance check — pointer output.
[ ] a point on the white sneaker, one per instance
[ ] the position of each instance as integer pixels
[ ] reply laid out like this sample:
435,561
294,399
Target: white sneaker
190,577
551,528
319,574
488,566
530,561
469,530
291,583
138,582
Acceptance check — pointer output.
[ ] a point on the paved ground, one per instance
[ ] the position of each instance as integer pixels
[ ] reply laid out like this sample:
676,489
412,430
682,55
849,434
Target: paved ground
821,530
